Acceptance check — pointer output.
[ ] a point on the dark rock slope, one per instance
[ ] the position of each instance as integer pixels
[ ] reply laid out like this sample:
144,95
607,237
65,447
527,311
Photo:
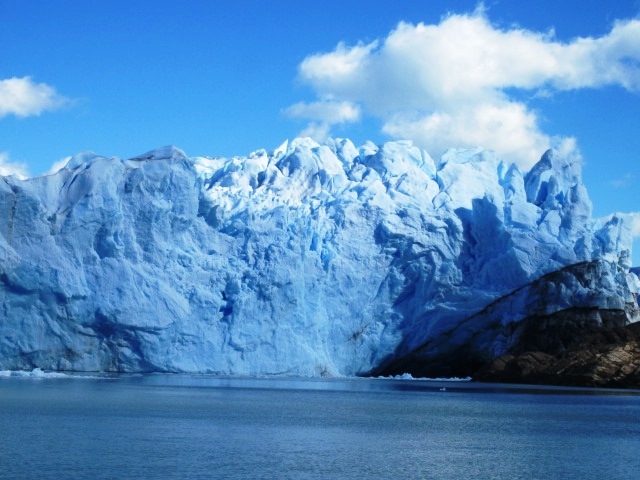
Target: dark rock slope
609,357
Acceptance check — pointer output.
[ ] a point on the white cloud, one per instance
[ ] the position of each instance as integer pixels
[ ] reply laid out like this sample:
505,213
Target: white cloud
326,111
11,168
343,62
323,114
59,165
506,127
318,131
23,97
452,83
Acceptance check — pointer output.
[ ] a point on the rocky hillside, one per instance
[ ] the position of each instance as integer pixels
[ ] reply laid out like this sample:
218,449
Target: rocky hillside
609,357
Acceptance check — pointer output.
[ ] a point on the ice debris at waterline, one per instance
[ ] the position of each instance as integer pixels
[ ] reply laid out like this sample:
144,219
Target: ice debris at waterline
35,373
314,259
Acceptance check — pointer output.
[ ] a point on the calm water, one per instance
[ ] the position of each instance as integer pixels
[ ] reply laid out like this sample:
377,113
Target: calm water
187,427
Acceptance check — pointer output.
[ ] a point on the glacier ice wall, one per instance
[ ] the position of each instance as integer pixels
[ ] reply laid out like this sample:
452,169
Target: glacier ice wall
308,260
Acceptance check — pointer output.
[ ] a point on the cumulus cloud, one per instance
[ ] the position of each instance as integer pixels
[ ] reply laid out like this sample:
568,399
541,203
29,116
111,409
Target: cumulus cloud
12,168
59,165
326,111
455,83
506,127
323,114
23,97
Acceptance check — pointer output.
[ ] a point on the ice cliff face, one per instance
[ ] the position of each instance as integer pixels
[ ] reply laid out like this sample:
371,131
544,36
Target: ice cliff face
312,259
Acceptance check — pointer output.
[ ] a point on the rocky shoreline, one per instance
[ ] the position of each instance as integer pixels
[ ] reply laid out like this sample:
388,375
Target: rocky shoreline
608,358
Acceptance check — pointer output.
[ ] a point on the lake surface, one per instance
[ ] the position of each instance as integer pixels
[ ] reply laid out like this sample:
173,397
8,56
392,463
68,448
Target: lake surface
199,427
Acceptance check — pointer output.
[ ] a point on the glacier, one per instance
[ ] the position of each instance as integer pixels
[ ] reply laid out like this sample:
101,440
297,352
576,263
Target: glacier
312,259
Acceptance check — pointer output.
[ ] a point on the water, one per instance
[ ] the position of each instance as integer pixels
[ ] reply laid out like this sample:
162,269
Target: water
189,427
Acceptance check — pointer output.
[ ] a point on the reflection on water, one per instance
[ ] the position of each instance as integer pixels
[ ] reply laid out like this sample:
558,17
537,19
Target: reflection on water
182,426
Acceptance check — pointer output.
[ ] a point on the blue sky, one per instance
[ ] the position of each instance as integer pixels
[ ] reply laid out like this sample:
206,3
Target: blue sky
229,77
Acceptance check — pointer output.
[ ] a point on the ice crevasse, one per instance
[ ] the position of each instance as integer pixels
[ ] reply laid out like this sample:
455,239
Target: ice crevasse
313,259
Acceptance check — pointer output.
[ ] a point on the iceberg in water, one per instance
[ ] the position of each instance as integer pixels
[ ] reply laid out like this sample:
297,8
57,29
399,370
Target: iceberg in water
313,259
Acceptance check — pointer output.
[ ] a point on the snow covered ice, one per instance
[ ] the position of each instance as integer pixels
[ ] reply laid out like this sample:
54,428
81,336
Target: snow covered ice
314,259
